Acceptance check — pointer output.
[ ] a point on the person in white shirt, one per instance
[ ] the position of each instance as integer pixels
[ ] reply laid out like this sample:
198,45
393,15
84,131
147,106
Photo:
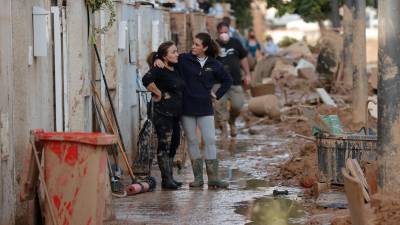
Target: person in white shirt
270,47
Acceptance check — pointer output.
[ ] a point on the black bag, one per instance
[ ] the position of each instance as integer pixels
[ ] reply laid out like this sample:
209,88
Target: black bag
146,146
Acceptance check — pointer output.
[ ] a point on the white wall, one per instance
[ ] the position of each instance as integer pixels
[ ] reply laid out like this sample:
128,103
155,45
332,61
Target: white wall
125,67
79,67
27,96
7,156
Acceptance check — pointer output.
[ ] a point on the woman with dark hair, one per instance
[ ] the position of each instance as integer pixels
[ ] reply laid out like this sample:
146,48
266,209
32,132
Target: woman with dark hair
166,86
252,45
200,71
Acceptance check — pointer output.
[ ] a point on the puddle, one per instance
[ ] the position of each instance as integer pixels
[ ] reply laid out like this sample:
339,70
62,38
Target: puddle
272,211
256,183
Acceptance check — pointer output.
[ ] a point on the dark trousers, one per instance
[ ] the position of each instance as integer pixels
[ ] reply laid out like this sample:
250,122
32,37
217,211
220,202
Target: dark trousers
168,134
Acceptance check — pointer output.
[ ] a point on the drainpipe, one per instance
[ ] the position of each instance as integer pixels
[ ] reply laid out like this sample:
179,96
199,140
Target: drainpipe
389,95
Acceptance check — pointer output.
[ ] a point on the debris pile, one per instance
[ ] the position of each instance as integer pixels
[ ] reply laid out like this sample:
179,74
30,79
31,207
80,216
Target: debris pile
308,91
386,209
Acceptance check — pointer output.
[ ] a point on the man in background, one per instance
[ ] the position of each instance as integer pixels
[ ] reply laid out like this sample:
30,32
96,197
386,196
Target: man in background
232,31
234,57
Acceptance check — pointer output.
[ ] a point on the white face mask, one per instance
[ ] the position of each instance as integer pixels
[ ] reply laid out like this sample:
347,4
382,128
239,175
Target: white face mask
224,37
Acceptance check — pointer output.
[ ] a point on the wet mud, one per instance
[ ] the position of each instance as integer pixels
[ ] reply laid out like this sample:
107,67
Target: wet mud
250,163
275,211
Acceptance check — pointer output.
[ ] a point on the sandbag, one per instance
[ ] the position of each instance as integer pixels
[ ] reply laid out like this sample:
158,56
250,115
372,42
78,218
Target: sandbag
266,105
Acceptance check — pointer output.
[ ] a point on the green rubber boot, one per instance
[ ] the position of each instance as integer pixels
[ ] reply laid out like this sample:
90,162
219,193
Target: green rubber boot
197,166
167,182
212,173
171,164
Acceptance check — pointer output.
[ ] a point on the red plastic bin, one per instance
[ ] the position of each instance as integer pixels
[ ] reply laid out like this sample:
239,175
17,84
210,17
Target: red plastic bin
75,175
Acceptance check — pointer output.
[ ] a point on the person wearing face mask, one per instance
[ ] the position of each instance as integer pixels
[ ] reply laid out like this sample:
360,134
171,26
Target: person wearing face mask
234,58
232,31
200,71
166,86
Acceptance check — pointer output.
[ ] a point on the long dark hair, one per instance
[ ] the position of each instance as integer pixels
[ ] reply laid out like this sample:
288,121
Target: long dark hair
207,41
161,52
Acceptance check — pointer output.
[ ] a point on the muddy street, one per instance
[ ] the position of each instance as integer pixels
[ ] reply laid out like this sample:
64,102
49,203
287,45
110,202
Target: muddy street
250,163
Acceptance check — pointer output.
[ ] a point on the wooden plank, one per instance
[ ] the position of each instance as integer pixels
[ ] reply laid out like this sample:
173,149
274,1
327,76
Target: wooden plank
360,173
326,98
304,137
29,176
355,198
371,174
355,170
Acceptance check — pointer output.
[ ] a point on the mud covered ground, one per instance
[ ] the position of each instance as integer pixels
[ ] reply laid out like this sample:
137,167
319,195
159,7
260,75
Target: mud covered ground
262,158
251,165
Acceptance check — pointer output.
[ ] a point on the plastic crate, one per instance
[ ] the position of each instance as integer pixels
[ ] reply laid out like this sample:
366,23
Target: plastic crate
334,150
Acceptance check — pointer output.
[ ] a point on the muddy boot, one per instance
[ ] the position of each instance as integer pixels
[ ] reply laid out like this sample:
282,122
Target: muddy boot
212,173
171,164
224,130
167,182
233,129
197,166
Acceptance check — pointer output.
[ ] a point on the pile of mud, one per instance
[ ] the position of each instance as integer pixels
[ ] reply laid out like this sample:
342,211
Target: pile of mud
343,220
386,209
302,168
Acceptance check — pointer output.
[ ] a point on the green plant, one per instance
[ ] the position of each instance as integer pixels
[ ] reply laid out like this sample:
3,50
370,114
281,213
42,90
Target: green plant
242,12
287,41
309,10
108,5
314,48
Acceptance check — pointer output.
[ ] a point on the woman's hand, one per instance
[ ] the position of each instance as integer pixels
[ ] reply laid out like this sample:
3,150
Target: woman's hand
213,95
157,94
159,63
157,98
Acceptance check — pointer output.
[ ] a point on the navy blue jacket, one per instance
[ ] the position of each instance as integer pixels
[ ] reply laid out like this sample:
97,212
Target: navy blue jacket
197,99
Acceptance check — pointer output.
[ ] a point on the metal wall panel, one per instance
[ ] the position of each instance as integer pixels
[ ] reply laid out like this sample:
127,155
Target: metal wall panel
126,66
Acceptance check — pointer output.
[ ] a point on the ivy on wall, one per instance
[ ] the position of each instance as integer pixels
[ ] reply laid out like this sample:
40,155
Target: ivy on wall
107,5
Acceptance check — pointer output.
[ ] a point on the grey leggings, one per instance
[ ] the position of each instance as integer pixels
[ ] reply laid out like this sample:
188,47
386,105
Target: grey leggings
207,129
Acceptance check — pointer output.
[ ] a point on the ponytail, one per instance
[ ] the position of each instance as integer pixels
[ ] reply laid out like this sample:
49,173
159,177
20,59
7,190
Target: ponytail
160,53
213,49
151,58
207,41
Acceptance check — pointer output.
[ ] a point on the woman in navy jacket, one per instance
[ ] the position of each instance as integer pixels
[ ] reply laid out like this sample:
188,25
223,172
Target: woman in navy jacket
200,71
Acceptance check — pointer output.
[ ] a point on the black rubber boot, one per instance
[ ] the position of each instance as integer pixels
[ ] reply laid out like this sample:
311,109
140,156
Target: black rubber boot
167,182
197,166
212,173
171,164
